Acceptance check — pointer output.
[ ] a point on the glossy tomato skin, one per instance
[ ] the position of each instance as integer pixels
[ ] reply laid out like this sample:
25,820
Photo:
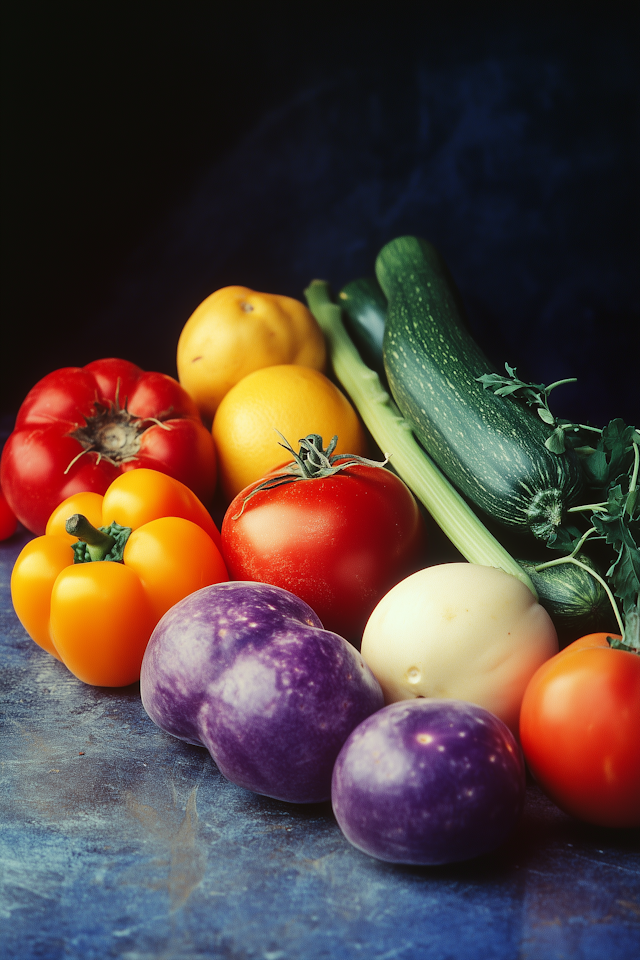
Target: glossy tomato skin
339,542
43,461
34,473
185,450
579,727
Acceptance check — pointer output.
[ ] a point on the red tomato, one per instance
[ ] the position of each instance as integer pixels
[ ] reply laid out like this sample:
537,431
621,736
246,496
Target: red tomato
80,427
338,542
579,726
8,521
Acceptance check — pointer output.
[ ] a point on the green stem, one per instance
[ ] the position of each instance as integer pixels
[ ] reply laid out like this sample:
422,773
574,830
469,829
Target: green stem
589,506
584,451
560,383
394,436
632,496
98,543
557,560
579,426
581,542
636,467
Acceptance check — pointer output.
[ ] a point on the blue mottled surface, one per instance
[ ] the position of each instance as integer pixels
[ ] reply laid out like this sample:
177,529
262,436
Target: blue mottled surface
120,841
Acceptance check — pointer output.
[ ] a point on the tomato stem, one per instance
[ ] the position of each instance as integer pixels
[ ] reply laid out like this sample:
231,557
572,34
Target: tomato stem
312,462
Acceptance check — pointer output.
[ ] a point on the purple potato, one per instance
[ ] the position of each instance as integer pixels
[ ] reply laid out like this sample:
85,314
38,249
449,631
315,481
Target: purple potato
247,670
429,782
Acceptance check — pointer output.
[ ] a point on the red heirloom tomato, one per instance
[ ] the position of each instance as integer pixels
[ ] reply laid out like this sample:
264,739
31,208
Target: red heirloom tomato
579,725
338,531
80,427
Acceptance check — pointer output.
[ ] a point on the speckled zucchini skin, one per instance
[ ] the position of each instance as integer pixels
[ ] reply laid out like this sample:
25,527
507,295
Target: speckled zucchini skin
491,448
576,602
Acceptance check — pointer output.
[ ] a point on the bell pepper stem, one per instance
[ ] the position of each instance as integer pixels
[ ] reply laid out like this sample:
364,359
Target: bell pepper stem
98,543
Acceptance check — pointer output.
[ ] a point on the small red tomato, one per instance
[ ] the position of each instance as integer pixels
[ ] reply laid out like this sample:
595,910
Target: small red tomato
8,521
80,427
579,726
338,536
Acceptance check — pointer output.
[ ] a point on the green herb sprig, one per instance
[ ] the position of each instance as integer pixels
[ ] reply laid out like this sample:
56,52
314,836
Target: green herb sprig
610,461
564,433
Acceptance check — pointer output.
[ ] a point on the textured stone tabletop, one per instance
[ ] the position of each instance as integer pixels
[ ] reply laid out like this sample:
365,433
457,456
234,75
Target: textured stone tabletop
119,841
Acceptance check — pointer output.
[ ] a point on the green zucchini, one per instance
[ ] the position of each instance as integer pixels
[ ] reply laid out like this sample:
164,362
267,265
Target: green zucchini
365,311
575,600
491,448
395,438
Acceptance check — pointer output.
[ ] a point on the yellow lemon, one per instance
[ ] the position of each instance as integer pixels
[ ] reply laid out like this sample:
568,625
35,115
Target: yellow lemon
288,398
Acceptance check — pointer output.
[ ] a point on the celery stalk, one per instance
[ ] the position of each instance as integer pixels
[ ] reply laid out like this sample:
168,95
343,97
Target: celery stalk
394,436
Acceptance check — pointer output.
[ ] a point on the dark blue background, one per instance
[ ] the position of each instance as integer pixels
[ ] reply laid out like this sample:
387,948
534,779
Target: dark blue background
154,155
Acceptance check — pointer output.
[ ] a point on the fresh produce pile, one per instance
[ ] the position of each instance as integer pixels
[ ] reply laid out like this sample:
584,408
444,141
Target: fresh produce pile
307,639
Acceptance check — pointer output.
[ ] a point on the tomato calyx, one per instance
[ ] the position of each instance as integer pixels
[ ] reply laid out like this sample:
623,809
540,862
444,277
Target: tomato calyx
96,543
112,433
312,462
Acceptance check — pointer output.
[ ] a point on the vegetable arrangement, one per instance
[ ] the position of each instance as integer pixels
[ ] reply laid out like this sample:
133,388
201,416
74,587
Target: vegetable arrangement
245,640
577,588
570,585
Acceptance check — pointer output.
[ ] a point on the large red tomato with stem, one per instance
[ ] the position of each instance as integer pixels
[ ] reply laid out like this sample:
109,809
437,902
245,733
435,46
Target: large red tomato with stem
80,427
336,530
579,729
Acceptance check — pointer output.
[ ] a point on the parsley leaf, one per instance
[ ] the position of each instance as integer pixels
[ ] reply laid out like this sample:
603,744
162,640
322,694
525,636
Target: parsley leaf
620,532
535,395
611,468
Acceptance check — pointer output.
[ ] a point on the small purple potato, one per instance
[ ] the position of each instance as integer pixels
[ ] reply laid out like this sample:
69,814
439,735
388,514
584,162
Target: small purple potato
429,782
246,670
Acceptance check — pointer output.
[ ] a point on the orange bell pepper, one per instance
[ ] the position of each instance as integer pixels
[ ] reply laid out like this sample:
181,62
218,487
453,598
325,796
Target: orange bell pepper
92,588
